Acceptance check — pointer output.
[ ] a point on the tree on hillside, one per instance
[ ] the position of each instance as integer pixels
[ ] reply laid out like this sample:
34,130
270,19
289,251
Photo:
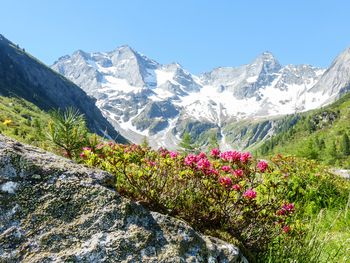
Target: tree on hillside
186,144
67,130
213,142
308,150
145,142
345,145
332,153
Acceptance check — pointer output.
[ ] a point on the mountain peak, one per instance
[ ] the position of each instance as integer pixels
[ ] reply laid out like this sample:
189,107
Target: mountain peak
266,62
266,56
81,53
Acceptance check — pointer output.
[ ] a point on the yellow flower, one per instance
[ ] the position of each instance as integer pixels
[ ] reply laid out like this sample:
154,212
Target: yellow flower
7,122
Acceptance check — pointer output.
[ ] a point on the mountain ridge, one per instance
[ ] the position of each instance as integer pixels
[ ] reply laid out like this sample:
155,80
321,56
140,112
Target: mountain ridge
131,85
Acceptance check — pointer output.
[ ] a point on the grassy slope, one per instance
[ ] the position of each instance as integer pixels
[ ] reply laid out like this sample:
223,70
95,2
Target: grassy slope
316,134
28,122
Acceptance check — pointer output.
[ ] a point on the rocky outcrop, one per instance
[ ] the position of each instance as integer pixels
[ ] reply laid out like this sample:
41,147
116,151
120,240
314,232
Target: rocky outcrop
53,210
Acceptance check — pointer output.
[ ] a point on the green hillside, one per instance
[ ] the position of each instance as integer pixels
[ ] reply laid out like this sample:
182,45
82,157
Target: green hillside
23,121
321,135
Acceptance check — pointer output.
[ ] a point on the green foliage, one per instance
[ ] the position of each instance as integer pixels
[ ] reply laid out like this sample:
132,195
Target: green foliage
213,141
209,194
68,131
186,144
145,142
23,121
345,145
320,135
326,239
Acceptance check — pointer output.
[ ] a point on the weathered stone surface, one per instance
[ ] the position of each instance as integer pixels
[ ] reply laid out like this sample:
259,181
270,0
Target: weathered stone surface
53,210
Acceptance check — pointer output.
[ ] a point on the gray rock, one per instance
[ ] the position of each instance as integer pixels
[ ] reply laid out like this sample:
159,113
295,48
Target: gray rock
53,210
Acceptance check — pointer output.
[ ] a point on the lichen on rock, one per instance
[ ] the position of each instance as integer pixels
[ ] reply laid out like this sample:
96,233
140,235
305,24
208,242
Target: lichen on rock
53,210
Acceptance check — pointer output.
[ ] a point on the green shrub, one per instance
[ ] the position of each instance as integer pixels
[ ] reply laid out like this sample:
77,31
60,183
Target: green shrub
68,131
228,192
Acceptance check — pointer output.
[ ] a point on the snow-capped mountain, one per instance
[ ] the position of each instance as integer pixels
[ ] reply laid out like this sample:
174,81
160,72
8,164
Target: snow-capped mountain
141,97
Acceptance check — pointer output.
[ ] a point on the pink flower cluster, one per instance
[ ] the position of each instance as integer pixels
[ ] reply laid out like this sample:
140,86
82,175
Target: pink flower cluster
286,229
191,159
215,152
245,157
236,187
250,194
234,156
238,173
152,163
230,156
286,209
173,155
86,150
163,152
200,162
203,164
226,168
225,181
262,166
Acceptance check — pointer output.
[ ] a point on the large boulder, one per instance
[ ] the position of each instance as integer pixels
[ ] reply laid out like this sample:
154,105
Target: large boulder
53,210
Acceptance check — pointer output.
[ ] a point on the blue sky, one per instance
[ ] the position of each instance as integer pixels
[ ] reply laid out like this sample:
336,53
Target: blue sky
200,35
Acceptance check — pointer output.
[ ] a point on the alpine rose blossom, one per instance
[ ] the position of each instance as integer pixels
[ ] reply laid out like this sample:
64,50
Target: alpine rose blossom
236,187
202,155
286,209
215,152
203,163
238,173
286,229
262,166
225,181
213,172
230,156
245,157
190,159
249,194
226,168
173,155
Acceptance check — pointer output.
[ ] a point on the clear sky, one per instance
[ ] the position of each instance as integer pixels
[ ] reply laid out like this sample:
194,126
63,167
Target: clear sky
198,34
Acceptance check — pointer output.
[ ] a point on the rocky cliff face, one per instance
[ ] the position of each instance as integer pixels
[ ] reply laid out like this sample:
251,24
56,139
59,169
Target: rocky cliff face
53,210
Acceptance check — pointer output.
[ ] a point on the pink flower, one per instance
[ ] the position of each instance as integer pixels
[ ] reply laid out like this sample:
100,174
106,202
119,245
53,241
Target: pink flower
230,156
249,194
225,181
87,149
213,172
83,155
190,159
287,208
173,155
286,229
226,168
238,173
202,155
151,163
245,157
236,187
262,166
215,152
203,163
